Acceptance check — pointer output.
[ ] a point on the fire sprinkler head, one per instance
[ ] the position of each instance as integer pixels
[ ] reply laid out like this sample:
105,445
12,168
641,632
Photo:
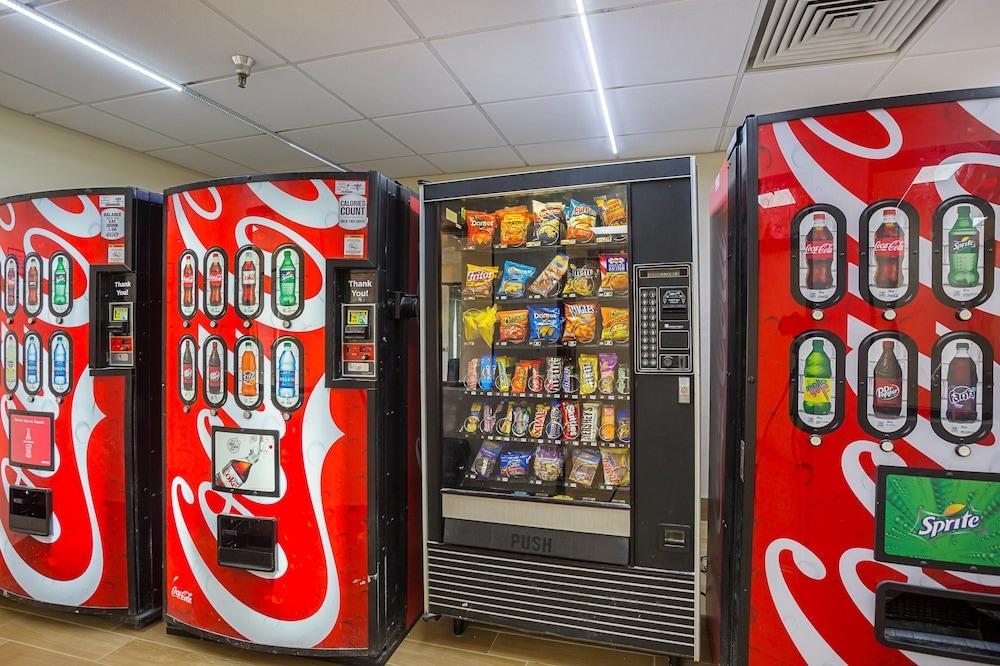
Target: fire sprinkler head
244,64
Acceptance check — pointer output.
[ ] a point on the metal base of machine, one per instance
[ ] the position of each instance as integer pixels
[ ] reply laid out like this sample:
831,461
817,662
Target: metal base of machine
121,615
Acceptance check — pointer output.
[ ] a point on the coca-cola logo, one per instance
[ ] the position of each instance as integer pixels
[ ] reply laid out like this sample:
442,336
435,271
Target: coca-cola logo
966,243
958,395
182,595
889,247
819,249
887,391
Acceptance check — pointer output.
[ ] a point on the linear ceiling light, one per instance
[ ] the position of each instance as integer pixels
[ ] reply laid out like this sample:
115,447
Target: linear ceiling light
598,83
24,10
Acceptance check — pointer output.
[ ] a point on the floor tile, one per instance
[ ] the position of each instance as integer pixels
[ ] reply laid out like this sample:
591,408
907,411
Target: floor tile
152,654
412,653
18,654
59,636
475,638
558,653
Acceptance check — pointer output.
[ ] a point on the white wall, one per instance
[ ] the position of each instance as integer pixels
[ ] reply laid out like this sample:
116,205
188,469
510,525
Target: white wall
37,156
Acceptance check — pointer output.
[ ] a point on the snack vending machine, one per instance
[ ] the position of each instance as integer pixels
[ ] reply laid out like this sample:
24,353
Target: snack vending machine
81,331
292,414
560,316
855,490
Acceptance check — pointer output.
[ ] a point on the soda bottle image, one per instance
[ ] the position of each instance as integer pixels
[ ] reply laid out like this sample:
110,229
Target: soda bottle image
248,374
236,473
286,372
287,296
59,283
214,380
60,377
31,297
887,382
11,284
963,380
248,282
215,283
187,284
819,254
817,391
963,251
888,251
10,361
31,362
187,370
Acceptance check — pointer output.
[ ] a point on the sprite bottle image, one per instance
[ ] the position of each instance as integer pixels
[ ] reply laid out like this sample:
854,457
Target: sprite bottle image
963,251
59,280
287,296
817,389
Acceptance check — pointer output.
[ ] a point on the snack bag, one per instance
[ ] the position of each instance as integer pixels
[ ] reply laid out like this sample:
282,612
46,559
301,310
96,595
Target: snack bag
546,323
548,221
624,426
485,463
581,322
581,219
582,279
479,229
487,371
549,462
588,374
513,325
584,468
614,324
480,322
607,381
514,464
514,223
614,275
471,423
479,280
613,216
547,283
616,466
515,277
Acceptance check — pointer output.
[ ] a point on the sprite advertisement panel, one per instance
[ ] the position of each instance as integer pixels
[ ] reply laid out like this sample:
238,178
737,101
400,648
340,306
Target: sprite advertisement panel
941,517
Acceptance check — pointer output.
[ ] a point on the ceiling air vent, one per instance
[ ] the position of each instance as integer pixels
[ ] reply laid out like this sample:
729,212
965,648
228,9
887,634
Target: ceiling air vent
806,32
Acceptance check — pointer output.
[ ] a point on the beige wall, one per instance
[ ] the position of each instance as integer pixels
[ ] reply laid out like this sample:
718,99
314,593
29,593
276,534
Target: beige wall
36,156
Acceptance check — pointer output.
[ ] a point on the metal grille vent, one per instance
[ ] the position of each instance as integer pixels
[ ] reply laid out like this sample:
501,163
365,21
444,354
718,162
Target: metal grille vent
805,32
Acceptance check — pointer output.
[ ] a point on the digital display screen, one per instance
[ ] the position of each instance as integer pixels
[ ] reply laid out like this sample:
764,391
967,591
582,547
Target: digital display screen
934,517
245,461
119,312
357,317
656,273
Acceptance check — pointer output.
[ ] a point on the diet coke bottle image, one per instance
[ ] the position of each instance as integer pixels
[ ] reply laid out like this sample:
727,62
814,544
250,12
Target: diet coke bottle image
961,388
819,254
890,242
887,383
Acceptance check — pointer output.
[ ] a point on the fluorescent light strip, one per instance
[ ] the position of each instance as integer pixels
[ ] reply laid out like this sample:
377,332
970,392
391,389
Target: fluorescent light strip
77,37
598,83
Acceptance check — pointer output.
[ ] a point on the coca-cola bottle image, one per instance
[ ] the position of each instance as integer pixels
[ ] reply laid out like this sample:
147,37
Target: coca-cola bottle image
888,250
887,382
187,370
215,283
32,284
214,380
248,283
11,292
963,380
187,284
819,254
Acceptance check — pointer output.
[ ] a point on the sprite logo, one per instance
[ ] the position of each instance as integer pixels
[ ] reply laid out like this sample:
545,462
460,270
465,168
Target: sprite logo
964,243
956,518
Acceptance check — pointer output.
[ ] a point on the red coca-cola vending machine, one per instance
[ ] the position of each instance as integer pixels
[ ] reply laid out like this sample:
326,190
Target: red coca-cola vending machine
81,334
292,413
855,490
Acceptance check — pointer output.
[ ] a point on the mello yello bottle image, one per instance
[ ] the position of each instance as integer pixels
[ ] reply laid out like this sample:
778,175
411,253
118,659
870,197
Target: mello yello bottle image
59,283
818,381
963,381
286,281
963,251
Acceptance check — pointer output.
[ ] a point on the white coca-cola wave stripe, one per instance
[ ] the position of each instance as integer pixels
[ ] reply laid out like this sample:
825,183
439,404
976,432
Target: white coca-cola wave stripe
986,111
191,240
8,225
866,152
85,224
322,212
207,214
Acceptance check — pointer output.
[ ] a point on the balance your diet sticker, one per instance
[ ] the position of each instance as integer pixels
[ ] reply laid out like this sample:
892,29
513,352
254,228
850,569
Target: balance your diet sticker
113,223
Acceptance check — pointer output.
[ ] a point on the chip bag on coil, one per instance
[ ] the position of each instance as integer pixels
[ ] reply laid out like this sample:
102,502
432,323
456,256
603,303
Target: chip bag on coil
614,324
514,224
548,282
479,280
581,323
581,219
514,464
584,468
513,325
613,216
479,323
614,274
485,463
546,323
549,462
548,221
479,229
616,466
515,279
582,279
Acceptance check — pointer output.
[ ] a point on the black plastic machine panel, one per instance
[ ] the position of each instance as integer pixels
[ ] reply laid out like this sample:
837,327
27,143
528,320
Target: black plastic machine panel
247,543
30,510
663,317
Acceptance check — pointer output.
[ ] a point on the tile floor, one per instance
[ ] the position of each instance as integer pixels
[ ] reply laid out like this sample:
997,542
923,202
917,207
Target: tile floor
41,638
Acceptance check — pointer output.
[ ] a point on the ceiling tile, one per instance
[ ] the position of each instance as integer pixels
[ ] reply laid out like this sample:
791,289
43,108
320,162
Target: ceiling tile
182,39
305,29
349,142
34,53
396,167
480,159
670,106
267,95
178,115
411,67
969,24
944,71
199,160
444,130
564,152
527,61
672,41
558,118
442,17
664,144
90,121
27,97
802,87
261,152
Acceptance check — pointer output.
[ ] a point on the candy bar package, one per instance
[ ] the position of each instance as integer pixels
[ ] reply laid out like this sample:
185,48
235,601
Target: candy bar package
485,462
536,375
583,469
616,469
515,279
472,374
479,280
614,324
613,216
549,462
513,325
588,374
492,414
553,427
606,430
606,383
624,425
514,464
547,284
614,275
582,278
537,427
548,221
520,420
507,420
553,373
581,219
588,422
571,419
479,229
487,371
514,224
480,323
581,323
502,378
519,383
471,423
546,323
